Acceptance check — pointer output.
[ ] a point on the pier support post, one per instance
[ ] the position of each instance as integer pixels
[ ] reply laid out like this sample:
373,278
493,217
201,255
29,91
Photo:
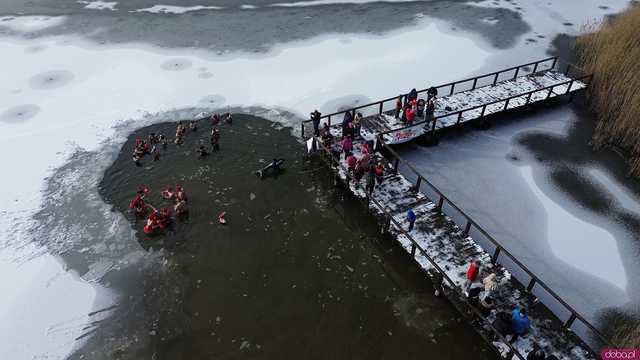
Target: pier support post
385,224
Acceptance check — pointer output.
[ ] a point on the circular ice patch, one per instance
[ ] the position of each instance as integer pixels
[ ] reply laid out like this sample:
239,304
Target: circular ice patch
51,79
176,64
213,100
19,113
344,103
35,48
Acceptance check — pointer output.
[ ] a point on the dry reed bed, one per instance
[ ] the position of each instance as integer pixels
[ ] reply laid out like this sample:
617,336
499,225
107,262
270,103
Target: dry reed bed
612,53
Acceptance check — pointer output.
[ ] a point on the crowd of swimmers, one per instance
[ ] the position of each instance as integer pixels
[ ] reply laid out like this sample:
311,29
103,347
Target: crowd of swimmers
158,220
153,143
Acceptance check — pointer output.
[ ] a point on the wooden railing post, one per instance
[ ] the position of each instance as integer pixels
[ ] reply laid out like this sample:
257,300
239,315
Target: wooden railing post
516,74
532,283
555,61
484,108
440,203
529,98
549,93
495,255
302,130
329,120
475,82
535,68
380,110
569,321
467,227
452,86
459,117
569,87
416,187
506,103
495,79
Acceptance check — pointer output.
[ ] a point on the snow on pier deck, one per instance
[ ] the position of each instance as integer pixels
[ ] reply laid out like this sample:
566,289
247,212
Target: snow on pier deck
473,102
447,244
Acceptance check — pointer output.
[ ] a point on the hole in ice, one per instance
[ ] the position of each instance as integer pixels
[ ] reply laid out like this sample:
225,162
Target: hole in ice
212,99
20,113
51,79
35,48
176,64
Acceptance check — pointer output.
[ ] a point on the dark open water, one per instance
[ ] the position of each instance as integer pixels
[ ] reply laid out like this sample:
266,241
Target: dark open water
298,272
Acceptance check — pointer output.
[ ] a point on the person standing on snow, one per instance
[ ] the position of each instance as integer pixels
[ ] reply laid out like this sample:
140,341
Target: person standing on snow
519,323
472,275
411,217
315,118
398,106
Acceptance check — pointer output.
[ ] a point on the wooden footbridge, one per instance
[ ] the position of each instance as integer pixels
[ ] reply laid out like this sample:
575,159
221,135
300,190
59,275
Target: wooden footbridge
444,248
466,100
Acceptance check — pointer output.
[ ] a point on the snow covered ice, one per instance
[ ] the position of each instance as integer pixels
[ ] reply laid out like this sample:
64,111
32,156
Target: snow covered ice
65,93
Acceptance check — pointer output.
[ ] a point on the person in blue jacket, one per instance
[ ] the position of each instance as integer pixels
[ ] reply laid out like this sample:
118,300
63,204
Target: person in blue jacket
519,323
411,216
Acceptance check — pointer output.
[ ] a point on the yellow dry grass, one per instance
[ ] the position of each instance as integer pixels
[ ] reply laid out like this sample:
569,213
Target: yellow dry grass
612,53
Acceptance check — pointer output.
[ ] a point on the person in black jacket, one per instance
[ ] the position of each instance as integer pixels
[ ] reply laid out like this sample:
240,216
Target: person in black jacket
315,118
345,123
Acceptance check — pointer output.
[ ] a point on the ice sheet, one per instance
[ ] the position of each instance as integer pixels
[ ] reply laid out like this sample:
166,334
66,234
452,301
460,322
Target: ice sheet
100,5
588,247
173,9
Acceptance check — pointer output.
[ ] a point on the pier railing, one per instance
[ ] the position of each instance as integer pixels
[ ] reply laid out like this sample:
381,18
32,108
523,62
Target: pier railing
416,248
548,90
534,286
452,87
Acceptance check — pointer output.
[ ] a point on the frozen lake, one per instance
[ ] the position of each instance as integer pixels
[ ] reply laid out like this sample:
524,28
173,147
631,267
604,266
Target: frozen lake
79,76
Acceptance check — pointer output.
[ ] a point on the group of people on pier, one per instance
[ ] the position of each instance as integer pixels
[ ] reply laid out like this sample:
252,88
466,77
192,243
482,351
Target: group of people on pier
409,107
366,165
483,295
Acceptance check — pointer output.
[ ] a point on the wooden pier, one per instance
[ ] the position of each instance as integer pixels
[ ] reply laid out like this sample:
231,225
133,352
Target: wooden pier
466,100
444,249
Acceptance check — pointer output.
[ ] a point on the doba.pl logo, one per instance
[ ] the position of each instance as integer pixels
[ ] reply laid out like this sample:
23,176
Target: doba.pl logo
623,354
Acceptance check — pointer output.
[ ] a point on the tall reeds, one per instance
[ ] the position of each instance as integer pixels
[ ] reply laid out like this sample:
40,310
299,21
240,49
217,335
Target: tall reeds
611,51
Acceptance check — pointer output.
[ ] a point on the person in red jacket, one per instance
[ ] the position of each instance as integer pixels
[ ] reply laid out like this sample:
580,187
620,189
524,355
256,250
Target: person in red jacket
472,275
410,114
